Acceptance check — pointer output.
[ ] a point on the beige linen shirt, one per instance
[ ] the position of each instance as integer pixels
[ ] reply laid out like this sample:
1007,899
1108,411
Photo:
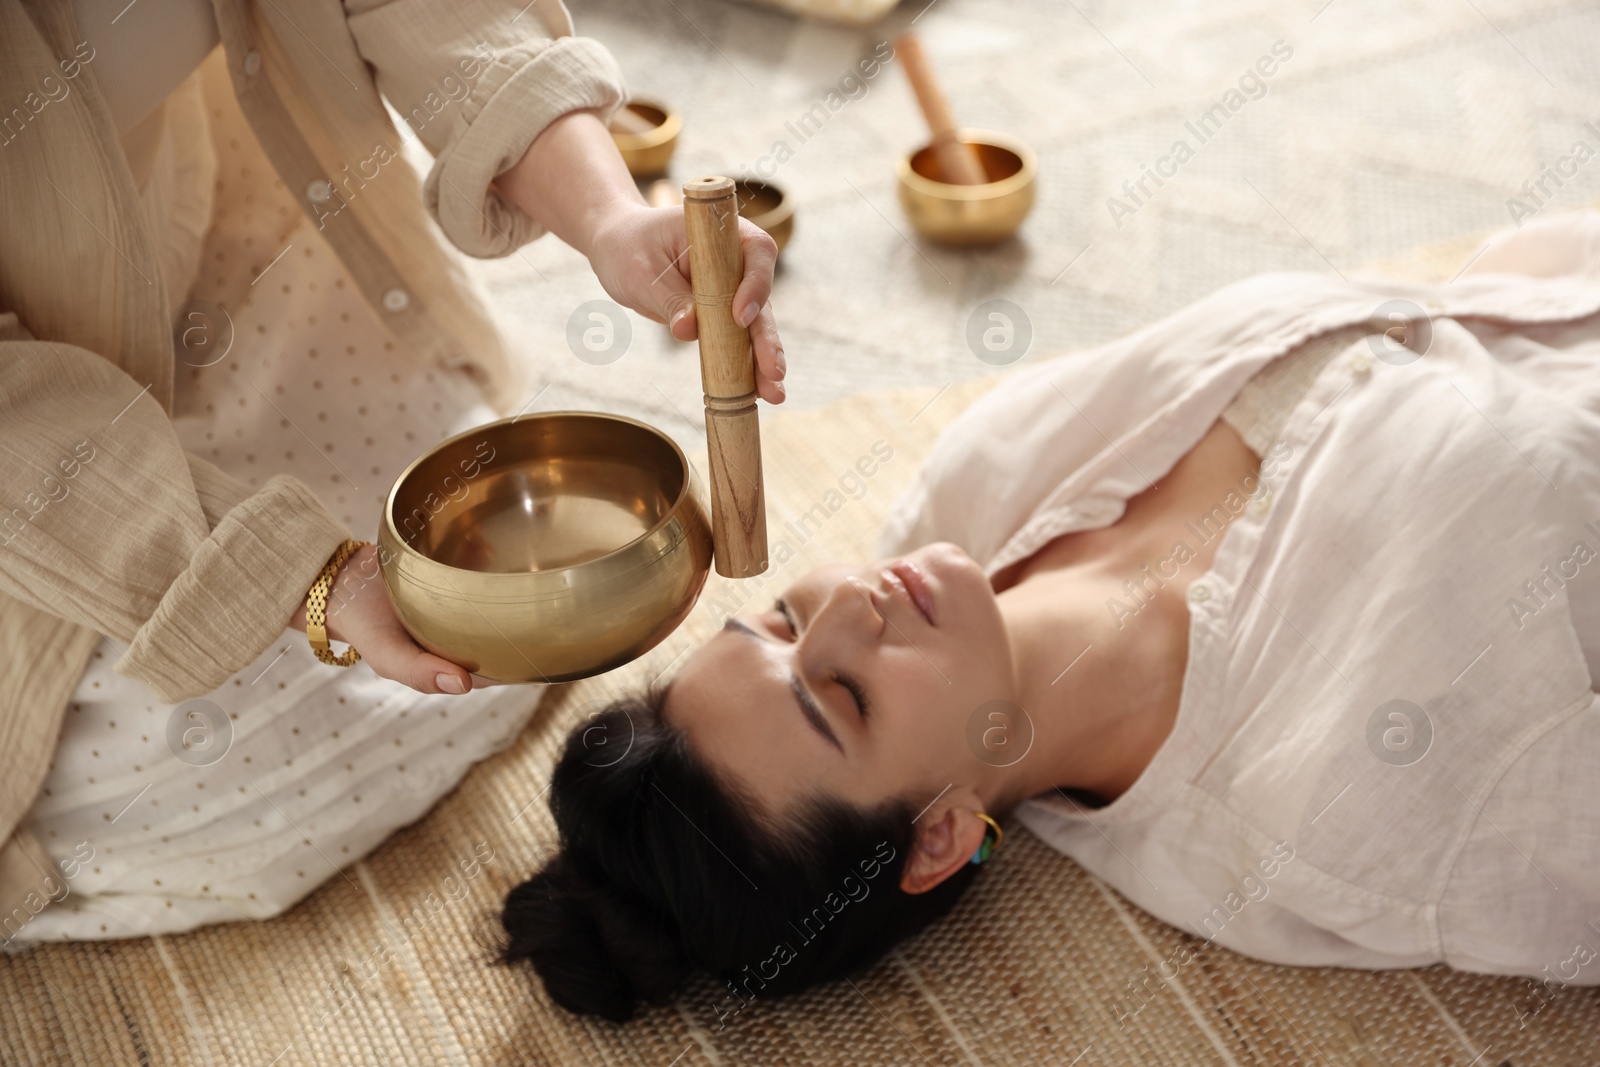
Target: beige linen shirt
1387,747
107,526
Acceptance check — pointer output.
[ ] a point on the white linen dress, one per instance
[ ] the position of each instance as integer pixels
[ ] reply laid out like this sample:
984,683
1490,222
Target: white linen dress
1387,746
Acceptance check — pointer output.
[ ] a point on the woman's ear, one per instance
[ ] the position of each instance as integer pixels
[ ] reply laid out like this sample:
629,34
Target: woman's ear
947,836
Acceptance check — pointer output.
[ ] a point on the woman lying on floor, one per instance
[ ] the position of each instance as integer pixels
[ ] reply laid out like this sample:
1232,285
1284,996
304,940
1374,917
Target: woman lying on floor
1358,728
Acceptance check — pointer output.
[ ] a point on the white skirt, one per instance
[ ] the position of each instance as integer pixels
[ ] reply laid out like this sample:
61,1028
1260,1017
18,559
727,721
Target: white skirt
293,770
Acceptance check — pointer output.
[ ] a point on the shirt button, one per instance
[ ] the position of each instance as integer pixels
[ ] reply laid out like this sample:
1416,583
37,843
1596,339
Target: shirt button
252,63
319,191
1361,364
396,300
1199,591
1264,501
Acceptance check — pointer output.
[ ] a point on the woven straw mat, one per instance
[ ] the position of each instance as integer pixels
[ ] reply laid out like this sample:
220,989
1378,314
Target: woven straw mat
1034,966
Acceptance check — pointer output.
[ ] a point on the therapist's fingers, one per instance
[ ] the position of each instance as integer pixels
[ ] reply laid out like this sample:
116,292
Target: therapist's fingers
760,258
770,364
361,613
754,290
675,298
392,654
678,304
752,297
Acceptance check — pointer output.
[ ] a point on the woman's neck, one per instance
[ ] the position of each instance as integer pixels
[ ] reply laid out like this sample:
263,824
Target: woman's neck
1098,720
1100,687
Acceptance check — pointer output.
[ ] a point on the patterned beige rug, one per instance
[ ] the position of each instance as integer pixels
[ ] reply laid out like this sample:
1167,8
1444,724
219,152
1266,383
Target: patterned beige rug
1394,124
386,963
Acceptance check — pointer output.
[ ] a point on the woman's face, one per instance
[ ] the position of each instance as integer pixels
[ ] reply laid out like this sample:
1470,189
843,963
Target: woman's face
769,699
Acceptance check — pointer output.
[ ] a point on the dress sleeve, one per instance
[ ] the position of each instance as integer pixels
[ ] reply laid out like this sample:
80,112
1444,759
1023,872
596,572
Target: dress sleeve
477,81
109,523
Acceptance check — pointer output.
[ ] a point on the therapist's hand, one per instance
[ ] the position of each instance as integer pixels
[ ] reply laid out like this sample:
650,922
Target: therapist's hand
573,182
361,614
640,254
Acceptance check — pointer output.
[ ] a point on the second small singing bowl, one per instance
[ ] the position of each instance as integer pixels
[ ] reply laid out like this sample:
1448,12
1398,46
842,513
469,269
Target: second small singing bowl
766,205
545,548
970,214
646,137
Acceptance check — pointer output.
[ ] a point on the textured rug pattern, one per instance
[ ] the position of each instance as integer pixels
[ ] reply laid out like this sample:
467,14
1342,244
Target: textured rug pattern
1394,123
1039,963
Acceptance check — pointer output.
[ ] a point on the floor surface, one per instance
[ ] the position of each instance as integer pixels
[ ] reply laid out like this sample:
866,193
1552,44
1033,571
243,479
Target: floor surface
1391,123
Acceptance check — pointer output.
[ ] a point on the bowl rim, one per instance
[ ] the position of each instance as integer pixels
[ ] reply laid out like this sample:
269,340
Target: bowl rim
387,528
671,126
778,213
986,191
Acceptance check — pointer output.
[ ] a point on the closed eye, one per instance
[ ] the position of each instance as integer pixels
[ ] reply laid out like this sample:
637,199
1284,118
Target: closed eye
803,700
862,707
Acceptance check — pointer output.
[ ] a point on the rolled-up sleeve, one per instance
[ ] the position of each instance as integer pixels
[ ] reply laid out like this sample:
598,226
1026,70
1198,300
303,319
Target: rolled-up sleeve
111,524
477,81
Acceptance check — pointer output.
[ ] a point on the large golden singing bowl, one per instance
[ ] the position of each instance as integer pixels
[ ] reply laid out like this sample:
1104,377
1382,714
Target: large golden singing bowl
544,548
970,214
646,137
765,205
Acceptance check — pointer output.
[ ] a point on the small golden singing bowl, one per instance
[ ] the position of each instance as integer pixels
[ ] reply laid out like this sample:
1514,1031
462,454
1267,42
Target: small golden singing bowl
970,214
544,548
766,205
646,134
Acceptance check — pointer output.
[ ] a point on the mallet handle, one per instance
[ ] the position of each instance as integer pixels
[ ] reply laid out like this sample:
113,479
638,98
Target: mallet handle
957,159
728,375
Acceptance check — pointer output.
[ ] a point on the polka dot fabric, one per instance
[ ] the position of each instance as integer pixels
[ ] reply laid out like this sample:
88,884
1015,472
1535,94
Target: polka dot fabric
322,763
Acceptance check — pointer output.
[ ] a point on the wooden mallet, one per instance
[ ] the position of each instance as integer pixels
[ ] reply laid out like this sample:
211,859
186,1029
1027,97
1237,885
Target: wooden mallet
728,376
957,159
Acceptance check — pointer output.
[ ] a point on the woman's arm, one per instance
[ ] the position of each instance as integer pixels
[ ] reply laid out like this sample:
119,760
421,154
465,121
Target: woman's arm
572,179
513,107
107,522
573,182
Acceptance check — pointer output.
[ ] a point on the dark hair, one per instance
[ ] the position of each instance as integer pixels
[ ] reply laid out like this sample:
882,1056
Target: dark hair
665,870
